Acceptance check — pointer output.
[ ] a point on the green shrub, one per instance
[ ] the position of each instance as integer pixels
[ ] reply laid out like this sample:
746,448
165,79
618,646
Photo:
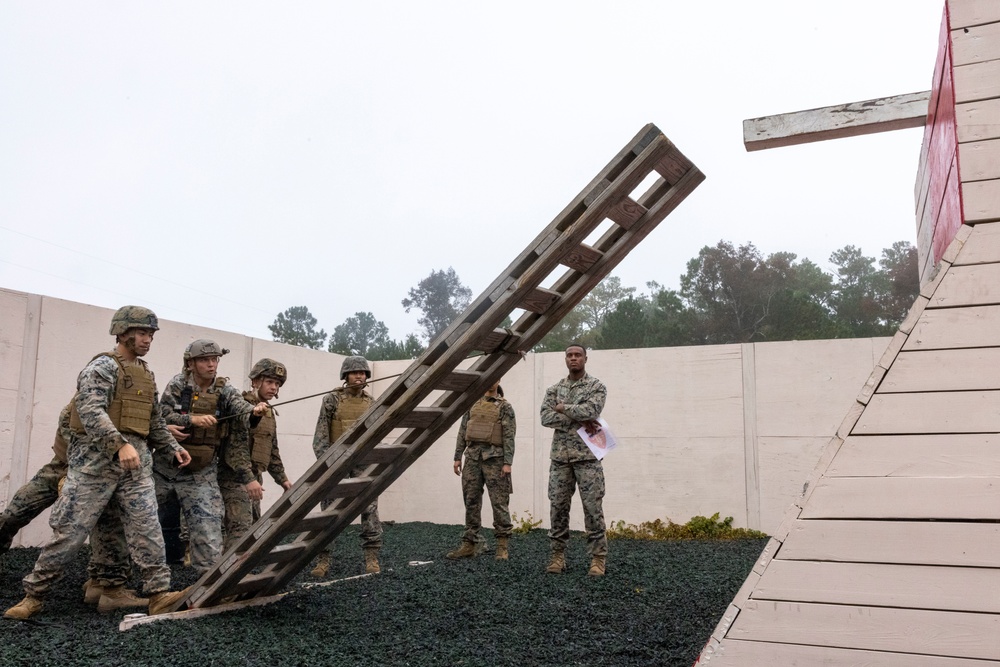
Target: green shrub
698,528
524,525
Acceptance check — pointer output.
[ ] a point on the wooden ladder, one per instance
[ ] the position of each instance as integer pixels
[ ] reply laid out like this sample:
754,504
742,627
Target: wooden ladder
288,537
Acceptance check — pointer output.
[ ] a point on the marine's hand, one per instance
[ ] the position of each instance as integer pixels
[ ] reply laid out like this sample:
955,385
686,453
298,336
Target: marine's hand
458,467
259,409
592,426
183,458
559,407
128,458
505,471
287,484
178,432
203,421
254,490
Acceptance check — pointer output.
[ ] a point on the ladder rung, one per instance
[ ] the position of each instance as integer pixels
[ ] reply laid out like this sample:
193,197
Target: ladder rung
539,300
315,522
458,380
383,453
582,258
673,166
283,552
626,212
494,339
421,418
349,487
252,583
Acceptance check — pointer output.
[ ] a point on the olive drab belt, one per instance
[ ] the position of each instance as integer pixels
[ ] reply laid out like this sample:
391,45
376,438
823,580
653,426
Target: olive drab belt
349,410
484,423
131,407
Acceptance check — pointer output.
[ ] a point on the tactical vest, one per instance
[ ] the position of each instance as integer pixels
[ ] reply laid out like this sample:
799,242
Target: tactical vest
484,423
204,442
349,410
262,436
131,407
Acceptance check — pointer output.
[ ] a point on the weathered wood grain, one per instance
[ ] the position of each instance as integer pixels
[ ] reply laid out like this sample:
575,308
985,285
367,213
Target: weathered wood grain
943,370
951,328
979,81
904,542
967,13
981,201
975,44
965,455
736,653
978,121
931,412
981,247
971,498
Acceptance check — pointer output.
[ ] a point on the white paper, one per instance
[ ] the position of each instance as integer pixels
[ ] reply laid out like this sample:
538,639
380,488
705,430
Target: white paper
601,442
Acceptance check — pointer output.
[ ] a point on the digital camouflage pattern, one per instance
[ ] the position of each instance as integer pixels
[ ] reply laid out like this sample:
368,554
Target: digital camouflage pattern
371,527
238,465
196,495
95,479
483,466
129,317
572,463
37,495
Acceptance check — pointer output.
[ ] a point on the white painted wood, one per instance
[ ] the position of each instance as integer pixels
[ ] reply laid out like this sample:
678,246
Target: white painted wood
736,653
979,81
904,542
980,160
943,633
981,201
972,589
785,466
978,121
970,498
965,455
975,44
944,370
968,286
982,246
20,456
751,464
957,244
931,412
967,13
843,120
955,327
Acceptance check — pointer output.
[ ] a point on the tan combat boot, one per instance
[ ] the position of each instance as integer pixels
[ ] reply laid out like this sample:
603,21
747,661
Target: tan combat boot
92,591
502,548
119,597
596,566
322,565
161,602
371,561
467,550
24,609
557,563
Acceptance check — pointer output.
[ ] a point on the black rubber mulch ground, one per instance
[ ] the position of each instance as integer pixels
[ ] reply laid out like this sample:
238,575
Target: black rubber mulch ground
657,606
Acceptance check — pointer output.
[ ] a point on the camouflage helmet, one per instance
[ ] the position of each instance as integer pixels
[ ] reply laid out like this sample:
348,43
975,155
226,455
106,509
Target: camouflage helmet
203,347
269,368
129,317
355,363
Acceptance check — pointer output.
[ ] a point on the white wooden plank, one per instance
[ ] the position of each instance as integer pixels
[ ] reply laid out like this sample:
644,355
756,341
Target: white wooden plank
750,454
943,370
913,542
965,455
968,286
975,44
978,81
785,467
957,244
736,653
943,633
982,246
967,13
843,120
955,327
981,201
957,499
979,160
977,121
19,472
931,412
973,589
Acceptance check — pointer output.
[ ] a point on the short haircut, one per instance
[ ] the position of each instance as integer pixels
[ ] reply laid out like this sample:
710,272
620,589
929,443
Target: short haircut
576,344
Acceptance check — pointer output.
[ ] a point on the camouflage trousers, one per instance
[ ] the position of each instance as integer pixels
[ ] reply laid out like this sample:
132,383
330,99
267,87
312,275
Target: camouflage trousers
79,510
371,526
197,497
109,560
476,473
240,511
563,479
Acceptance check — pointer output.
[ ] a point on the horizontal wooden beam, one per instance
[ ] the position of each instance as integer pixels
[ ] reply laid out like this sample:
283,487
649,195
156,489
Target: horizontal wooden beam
844,120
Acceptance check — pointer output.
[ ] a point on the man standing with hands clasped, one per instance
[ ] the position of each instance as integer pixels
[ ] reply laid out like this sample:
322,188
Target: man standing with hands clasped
575,401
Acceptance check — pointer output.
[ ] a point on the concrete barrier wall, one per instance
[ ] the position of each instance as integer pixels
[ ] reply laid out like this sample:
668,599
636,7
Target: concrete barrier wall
734,429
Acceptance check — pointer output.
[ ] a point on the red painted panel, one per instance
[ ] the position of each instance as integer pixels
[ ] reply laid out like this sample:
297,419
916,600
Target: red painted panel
949,219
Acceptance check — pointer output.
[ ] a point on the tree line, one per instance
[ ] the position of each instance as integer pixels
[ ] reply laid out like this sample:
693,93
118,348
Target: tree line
728,294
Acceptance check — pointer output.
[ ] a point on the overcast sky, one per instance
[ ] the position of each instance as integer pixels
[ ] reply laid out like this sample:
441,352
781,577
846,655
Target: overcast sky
220,162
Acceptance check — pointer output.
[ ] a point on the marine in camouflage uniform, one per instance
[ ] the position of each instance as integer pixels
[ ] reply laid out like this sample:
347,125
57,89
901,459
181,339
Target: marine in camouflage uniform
249,453
340,409
109,565
115,419
197,399
575,401
486,437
